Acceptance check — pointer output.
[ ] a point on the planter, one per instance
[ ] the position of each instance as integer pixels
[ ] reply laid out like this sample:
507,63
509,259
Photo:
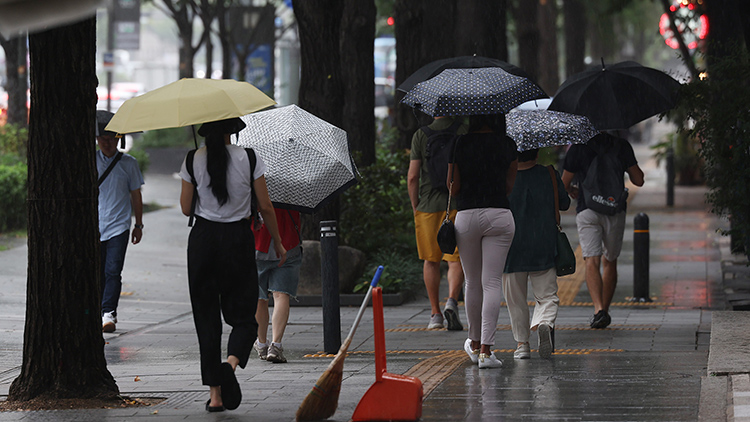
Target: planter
389,299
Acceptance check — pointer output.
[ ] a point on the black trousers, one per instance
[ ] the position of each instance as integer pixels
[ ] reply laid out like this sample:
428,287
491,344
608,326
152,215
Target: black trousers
223,280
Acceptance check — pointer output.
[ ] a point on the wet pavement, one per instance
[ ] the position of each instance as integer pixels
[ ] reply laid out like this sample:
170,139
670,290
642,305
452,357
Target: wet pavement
650,364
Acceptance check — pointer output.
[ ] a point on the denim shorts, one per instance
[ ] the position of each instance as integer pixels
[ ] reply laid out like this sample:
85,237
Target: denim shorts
284,279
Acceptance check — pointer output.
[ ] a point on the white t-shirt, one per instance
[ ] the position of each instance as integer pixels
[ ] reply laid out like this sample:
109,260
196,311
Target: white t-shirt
239,185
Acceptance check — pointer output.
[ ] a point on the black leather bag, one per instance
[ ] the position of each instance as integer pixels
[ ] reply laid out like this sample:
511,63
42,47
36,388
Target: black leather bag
446,237
565,259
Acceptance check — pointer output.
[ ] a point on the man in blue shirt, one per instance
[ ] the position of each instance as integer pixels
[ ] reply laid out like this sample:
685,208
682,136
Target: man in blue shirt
119,196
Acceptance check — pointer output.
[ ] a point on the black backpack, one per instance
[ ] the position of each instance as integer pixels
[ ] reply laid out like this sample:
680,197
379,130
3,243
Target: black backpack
438,153
189,168
604,186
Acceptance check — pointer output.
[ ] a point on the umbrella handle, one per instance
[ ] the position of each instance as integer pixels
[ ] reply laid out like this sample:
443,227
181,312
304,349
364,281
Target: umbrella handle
195,138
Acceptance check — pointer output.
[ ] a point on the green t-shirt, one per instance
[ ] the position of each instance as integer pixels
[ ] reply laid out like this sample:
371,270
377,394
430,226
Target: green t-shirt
430,200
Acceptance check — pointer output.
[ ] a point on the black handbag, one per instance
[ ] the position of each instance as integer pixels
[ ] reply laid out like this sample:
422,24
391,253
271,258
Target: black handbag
565,259
446,236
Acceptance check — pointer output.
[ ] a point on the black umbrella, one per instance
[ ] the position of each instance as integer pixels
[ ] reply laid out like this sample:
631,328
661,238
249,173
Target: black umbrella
464,92
434,68
617,96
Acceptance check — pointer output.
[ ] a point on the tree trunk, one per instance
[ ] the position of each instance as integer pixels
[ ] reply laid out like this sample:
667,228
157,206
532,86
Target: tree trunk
425,31
321,89
574,15
549,74
528,37
480,29
16,85
358,76
225,40
63,351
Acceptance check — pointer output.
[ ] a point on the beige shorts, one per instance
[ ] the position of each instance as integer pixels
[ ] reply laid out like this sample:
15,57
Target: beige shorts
426,225
600,234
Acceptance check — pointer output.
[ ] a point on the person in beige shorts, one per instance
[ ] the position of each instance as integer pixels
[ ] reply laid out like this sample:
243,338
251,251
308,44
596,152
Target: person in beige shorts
429,206
600,236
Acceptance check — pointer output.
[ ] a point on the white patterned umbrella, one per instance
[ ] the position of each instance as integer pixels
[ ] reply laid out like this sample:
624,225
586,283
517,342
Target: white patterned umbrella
465,92
308,158
533,129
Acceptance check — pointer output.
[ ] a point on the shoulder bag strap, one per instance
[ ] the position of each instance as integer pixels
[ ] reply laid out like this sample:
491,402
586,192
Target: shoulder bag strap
189,168
109,168
450,187
557,199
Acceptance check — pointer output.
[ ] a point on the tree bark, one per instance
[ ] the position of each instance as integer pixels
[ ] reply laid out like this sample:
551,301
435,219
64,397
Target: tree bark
63,351
480,29
575,23
358,77
16,72
321,89
527,33
425,31
549,75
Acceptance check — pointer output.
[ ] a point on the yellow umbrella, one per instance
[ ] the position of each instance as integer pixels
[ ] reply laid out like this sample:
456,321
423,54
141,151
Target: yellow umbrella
187,102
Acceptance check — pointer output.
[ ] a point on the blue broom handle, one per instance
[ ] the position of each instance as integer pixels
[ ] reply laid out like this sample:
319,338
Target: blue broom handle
362,308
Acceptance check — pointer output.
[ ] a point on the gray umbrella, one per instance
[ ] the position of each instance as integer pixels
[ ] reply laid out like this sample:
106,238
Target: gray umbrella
532,129
308,158
465,92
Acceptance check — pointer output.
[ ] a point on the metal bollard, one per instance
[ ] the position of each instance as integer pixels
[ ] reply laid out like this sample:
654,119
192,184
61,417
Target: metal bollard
670,177
641,253
329,280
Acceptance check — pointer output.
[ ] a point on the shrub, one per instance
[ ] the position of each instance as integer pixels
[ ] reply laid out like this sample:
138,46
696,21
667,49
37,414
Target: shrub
142,157
14,141
402,273
165,138
13,184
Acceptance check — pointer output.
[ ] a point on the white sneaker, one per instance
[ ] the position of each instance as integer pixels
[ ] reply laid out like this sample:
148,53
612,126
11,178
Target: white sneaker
545,341
108,322
275,354
489,361
522,352
436,321
473,353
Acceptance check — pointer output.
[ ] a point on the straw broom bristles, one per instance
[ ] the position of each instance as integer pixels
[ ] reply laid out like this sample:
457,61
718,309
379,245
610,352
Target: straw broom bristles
323,399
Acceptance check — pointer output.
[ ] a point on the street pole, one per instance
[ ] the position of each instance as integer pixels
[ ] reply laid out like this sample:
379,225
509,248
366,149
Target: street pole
670,177
110,50
329,280
641,252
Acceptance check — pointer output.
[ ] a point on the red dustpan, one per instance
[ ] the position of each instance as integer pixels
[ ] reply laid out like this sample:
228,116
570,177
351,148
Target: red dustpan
393,397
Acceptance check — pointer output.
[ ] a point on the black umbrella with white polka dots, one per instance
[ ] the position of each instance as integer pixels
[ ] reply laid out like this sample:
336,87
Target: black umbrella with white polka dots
466,92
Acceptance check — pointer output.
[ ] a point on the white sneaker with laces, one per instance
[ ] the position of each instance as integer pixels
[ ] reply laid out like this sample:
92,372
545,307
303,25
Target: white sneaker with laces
523,351
473,353
275,354
489,361
108,322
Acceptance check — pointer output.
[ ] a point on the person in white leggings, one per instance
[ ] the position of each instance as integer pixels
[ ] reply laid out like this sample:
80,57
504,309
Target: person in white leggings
484,170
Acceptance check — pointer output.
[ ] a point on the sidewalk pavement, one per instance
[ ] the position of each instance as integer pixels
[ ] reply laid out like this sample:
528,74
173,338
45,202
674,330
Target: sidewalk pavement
652,363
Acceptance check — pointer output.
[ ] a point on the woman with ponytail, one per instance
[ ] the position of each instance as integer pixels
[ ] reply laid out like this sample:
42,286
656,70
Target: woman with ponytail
222,274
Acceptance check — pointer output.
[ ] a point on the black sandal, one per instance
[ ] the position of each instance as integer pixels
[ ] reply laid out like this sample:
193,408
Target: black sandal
214,408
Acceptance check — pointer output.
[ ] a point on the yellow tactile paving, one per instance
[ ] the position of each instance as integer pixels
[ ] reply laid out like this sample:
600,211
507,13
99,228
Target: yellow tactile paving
461,353
405,328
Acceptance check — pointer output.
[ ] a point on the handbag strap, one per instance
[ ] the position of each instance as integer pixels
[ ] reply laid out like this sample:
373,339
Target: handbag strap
450,186
557,199
109,168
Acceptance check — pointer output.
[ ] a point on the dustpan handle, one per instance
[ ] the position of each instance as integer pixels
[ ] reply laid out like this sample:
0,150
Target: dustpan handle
362,308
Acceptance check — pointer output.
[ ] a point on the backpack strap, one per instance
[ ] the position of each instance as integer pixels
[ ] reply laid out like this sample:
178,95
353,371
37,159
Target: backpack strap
109,168
189,168
254,200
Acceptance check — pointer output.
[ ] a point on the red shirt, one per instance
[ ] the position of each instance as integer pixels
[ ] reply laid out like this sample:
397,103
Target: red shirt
286,219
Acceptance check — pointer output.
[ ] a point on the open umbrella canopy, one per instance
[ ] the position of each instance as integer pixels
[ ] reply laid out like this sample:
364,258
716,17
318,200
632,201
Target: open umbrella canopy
533,129
187,102
434,68
617,96
465,92
308,158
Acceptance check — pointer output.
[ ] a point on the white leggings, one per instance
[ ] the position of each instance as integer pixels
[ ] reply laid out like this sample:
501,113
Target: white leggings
484,236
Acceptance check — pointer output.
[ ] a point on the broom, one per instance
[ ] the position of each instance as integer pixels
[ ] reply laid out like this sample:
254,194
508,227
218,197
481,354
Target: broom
322,401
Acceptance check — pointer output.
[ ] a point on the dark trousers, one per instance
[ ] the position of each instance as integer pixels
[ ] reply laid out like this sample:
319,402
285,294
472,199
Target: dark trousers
223,280
113,259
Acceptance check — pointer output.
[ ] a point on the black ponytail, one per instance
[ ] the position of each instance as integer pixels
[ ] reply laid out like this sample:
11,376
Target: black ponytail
217,159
